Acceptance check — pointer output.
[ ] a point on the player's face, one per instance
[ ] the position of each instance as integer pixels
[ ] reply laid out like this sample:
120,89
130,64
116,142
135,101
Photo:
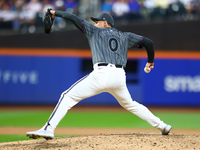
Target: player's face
99,24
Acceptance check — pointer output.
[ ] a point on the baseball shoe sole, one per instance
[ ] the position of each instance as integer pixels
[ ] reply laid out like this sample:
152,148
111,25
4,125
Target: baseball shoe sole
166,130
40,133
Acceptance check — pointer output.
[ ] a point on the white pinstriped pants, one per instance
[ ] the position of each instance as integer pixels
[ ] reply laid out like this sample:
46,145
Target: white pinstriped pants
102,79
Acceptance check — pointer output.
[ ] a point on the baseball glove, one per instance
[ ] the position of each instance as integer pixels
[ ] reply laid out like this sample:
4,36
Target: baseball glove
48,21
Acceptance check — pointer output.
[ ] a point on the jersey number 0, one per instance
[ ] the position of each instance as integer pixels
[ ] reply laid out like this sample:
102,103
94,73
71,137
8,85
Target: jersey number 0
113,44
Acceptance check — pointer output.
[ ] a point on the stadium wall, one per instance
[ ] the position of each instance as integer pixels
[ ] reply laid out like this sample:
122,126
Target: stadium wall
178,35
39,76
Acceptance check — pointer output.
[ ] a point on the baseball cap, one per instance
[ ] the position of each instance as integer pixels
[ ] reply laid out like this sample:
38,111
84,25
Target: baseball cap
102,17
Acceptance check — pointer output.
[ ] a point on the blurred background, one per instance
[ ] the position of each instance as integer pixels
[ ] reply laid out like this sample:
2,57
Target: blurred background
35,68
25,16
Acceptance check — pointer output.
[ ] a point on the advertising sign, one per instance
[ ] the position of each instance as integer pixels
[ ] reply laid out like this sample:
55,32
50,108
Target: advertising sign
36,80
174,83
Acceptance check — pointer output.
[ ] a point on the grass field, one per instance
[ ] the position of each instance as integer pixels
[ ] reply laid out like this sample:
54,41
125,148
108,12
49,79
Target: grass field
179,120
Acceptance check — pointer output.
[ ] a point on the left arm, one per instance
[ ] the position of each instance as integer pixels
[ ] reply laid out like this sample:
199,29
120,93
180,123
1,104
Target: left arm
78,22
84,26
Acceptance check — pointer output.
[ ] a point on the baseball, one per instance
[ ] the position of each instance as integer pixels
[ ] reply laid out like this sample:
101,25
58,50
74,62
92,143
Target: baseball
147,70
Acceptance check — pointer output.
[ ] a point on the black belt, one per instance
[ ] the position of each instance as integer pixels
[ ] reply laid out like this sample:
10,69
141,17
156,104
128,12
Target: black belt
106,64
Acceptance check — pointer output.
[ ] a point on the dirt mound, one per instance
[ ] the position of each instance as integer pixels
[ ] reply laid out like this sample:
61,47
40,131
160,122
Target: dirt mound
140,141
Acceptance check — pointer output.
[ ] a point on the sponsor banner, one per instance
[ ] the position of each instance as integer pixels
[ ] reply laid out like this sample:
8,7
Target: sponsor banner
41,80
36,80
173,83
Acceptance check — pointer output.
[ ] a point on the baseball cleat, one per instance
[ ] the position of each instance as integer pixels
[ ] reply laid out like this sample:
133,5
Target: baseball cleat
166,130
40,133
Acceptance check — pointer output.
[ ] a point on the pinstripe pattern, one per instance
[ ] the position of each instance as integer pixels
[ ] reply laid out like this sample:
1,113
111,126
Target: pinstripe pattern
110,45
107,45
57,106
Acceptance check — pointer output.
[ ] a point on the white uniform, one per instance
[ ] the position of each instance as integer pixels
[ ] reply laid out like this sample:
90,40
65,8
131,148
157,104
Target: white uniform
102,79
109,48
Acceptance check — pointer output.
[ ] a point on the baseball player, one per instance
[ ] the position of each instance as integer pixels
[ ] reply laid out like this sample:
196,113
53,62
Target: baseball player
109,48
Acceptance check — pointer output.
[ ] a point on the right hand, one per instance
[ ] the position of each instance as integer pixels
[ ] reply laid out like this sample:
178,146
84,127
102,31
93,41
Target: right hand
149,65
53,13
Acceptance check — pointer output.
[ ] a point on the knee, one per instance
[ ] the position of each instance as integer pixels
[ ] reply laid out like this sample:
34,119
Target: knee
67,96
67,100
130,105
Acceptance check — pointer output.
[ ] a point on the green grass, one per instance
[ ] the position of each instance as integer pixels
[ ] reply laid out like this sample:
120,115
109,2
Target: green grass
92,119
97,119
12,138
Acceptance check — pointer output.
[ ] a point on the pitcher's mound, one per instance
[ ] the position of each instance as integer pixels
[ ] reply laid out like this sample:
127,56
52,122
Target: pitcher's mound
142,141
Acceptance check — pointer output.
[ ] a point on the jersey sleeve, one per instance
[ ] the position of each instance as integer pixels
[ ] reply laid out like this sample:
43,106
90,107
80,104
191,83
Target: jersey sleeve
84,26
139,42
133,40
88,29
149,46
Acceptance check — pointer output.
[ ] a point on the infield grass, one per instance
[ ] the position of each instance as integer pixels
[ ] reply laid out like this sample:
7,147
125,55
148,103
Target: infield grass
92,119
97,119
12,138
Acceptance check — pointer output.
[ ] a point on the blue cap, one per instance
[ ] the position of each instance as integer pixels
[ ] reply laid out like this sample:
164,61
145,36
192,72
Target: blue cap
103,17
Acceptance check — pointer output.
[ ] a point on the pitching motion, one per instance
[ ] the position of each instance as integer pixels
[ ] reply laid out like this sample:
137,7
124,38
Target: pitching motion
109,48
